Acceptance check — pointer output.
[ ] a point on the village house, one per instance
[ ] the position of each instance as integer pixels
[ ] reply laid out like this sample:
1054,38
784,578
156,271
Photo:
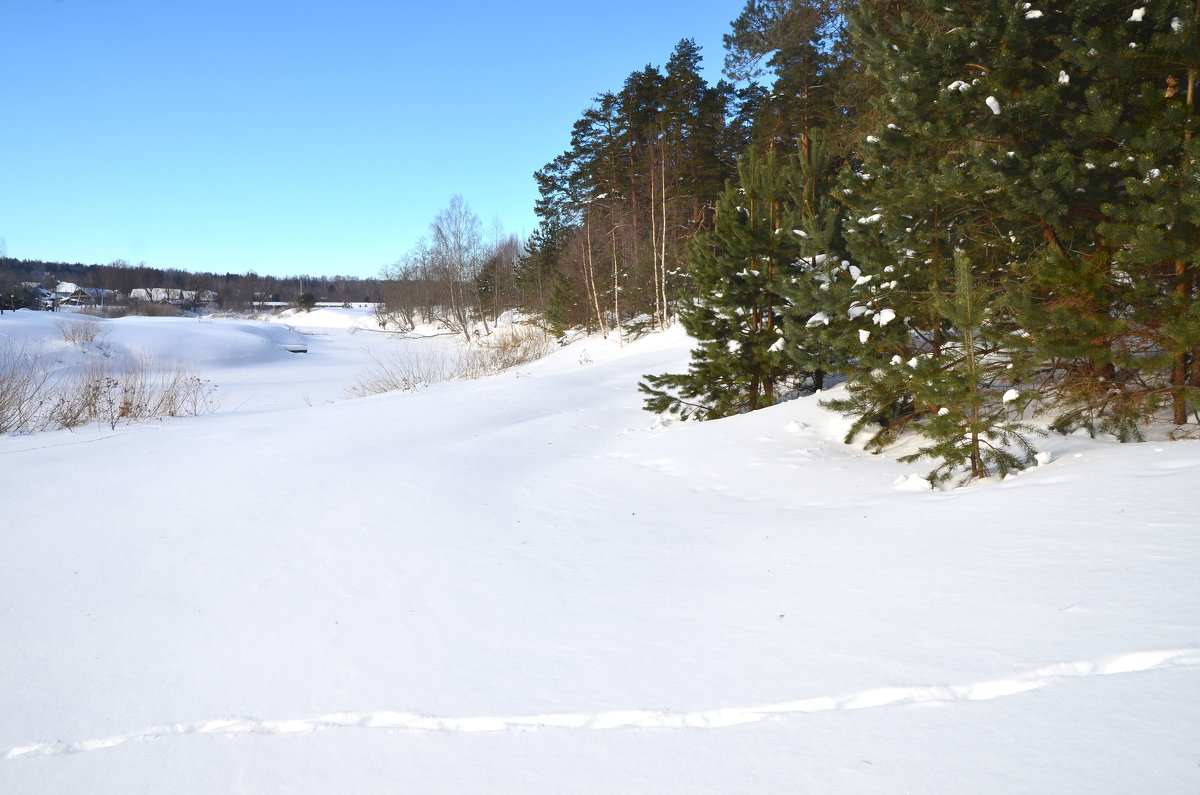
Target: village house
71,294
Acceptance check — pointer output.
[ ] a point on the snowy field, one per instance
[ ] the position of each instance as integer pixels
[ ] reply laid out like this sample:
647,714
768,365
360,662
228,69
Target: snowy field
526,584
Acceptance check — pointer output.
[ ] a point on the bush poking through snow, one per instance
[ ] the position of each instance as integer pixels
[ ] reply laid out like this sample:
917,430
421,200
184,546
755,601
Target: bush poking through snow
509,347
410,368
146,309
406,370
81,331
24,386
33,398
137,390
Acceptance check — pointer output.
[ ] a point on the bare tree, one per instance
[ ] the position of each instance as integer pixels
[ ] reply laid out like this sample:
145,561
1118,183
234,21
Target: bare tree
406,291
457,254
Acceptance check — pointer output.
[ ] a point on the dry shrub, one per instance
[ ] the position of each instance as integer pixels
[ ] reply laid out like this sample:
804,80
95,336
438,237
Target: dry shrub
106,312
406,370
32,398
80,331
510,347
410,369
137,390
25,388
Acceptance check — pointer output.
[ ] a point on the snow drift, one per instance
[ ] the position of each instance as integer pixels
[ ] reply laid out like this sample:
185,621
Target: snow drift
526,583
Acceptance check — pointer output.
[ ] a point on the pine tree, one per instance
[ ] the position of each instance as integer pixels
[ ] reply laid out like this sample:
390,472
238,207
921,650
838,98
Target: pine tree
693,115
1153,232
927,233
813,326
642,173
1109,301
977,427
537,277
736,311
800,43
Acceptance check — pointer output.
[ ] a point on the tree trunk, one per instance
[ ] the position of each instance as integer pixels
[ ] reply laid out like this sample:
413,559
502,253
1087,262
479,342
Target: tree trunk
616,290
663,239
591,275
1179,368
659,309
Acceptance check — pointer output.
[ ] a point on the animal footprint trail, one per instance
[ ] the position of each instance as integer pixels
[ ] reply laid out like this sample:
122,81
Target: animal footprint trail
1130,663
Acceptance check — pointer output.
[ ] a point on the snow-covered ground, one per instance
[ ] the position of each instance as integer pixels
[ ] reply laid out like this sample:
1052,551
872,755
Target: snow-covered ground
525,583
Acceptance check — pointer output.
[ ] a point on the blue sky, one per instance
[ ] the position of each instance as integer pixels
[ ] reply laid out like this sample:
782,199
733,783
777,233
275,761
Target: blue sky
298,137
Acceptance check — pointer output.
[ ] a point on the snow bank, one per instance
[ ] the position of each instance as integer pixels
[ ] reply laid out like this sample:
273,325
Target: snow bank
526,583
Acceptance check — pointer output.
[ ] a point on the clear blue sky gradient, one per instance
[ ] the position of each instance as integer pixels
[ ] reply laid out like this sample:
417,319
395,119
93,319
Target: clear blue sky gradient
299,137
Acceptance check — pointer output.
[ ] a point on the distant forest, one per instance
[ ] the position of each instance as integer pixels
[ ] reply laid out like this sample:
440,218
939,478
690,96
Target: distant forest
234,291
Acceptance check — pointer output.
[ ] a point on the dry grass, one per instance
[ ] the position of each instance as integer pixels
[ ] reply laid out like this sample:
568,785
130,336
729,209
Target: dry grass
34,398
137,390
411,368
25,386
79,331
153,309
511,347
405,370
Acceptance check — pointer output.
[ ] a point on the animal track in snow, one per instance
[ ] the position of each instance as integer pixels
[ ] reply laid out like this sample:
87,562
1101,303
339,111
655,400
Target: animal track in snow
642,719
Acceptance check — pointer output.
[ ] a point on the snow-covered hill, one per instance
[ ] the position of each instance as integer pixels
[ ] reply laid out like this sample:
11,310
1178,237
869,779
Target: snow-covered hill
525,583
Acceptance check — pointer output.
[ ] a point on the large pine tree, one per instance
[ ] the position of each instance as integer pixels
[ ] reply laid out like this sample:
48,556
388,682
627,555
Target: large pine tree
821,284
928,233
1044,156
1016,226
1109,299
640,178
736,311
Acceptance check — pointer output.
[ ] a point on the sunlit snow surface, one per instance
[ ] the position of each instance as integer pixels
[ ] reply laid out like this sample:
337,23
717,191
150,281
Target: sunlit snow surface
527,584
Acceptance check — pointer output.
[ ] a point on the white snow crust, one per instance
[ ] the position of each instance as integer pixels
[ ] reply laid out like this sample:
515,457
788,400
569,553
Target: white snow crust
525,583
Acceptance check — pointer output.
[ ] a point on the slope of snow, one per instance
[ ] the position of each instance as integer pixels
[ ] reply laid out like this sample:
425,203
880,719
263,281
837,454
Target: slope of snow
525,583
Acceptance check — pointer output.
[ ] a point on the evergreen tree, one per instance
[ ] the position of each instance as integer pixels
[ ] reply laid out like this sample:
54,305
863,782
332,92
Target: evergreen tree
978,426
1109,300
927,230
1019,227
693,117
813,325
640,178
736,310
537,277
1153,230
803,46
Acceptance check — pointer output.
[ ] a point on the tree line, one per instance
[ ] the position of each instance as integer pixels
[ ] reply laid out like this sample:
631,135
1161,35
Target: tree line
615,211
972,213
234,291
